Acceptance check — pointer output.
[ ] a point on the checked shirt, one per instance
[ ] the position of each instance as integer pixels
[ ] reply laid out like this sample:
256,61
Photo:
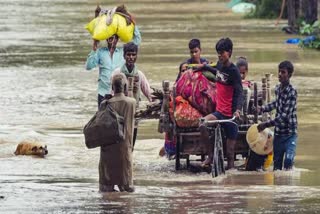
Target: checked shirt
285,121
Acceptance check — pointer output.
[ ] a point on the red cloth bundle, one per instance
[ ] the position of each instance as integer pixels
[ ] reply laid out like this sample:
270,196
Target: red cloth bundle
198,90
185,114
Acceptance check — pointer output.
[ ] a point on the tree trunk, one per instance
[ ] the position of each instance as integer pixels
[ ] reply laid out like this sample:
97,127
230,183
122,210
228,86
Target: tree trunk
293,13
310,10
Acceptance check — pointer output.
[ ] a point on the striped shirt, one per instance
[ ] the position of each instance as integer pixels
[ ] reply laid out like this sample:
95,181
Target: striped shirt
285,121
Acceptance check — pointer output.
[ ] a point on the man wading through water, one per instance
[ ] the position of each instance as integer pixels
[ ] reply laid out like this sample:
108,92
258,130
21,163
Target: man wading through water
108,59
285,121
115,166
141,84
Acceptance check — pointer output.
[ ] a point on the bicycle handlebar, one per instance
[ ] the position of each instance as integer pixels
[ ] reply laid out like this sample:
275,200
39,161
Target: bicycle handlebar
213,122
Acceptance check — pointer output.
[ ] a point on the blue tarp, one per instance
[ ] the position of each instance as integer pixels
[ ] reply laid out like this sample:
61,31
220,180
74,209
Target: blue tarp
293,41
305,41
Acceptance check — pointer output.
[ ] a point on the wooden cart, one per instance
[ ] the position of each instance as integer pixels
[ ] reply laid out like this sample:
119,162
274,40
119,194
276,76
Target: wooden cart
188,142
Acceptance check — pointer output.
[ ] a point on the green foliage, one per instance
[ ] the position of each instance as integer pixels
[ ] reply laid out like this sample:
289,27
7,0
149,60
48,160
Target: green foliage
313,45
308,29
268,9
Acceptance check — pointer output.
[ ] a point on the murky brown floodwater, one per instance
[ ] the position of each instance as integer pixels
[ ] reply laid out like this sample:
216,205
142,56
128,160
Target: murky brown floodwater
46,94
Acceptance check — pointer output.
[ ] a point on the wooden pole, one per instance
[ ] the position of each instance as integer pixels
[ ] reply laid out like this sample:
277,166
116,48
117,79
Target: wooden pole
245,104
268,78
255,101
264,91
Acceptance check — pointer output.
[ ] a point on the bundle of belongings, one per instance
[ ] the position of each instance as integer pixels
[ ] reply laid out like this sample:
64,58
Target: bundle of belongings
198,93
185,115
195,98
109,22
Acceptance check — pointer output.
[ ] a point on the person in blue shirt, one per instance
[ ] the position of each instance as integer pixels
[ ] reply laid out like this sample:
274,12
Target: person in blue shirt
108,59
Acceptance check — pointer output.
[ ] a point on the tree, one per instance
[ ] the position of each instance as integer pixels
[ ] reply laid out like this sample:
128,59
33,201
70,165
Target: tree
293,7
306,10
309,10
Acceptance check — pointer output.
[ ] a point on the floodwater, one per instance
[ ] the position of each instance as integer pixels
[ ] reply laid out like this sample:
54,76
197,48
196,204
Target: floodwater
47,96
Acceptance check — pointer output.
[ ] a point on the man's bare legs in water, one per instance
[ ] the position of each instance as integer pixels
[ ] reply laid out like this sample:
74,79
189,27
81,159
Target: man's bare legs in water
229,146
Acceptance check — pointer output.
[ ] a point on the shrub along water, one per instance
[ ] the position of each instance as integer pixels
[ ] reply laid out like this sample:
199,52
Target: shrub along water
267,9
313,33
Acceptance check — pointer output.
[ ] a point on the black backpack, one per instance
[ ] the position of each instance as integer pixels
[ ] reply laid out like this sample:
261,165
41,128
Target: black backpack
106,127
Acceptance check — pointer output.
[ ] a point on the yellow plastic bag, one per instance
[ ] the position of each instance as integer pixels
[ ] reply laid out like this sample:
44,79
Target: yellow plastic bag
100,30
90,26
268,161
125,32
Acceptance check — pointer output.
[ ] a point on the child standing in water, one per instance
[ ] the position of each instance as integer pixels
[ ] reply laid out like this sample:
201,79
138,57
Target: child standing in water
258,162
242,65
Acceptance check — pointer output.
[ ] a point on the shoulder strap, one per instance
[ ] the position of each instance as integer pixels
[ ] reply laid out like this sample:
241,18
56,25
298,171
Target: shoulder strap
103,104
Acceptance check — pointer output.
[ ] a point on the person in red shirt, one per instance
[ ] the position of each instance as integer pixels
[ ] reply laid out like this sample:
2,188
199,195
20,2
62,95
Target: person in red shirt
229,97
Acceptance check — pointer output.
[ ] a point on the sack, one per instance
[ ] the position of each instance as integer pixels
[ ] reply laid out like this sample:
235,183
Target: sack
125,32
106,127
99,29
185,115
198,90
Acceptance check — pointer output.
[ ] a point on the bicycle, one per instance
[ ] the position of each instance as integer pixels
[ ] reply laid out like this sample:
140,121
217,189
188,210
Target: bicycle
218,156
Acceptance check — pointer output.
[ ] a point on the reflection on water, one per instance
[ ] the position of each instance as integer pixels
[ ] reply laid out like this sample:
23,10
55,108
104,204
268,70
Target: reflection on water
47,96
66,180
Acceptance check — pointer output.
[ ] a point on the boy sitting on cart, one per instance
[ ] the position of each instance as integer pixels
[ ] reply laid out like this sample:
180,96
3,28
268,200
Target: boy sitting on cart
169,148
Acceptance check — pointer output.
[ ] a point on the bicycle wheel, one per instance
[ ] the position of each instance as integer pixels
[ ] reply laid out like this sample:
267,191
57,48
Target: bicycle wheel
214,171
220,152
221,163
215,165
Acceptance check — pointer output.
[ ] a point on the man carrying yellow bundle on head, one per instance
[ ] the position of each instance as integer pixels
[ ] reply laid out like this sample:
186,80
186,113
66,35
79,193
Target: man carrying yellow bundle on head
109,58
109,22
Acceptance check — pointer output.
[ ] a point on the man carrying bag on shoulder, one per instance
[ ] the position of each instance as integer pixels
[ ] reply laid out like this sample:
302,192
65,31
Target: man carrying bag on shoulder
115,166
105,128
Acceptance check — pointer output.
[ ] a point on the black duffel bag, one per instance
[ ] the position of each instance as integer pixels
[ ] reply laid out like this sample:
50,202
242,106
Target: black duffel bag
106,127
